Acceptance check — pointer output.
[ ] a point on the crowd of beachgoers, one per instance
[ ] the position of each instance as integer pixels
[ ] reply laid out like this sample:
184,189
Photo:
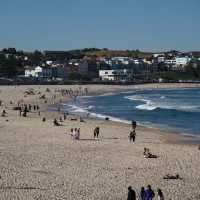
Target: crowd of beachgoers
73,157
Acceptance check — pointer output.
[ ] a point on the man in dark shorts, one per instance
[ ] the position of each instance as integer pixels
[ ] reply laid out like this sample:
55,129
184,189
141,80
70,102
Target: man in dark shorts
96,132
132,136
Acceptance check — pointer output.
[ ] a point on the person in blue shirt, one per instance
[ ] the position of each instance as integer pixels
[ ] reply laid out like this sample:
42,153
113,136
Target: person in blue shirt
149,193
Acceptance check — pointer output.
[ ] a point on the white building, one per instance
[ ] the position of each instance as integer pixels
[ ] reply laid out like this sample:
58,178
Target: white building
182,61
33,71
117,60
170,61
155,55
136,61
114,75
38,72
161,59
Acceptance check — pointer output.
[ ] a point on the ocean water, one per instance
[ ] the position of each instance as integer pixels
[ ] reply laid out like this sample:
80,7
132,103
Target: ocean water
177,110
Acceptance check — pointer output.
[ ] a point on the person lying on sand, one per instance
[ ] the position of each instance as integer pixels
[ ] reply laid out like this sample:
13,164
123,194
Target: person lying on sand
55,122
4,113
147,154
73,119
168,176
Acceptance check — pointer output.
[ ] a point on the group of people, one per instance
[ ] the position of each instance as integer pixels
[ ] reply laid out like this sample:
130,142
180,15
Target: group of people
24,109
72,93
145,194
75,133
61,119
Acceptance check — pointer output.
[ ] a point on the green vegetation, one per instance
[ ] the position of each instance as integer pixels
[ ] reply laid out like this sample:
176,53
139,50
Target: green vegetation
113,53
173,76
10,66
77,76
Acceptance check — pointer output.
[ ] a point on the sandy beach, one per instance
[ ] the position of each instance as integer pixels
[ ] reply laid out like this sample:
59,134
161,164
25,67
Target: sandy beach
40,161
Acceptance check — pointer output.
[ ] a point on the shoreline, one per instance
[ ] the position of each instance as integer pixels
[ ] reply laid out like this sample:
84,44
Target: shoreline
171,136
112,89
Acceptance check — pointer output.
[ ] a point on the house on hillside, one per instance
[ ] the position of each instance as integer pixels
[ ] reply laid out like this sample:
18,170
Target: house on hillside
38,72
115,75
182,61
77,66
170,61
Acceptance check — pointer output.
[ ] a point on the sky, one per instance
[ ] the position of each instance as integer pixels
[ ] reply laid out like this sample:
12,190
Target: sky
147,25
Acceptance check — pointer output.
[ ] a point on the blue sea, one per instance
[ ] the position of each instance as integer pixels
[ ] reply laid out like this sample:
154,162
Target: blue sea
177,110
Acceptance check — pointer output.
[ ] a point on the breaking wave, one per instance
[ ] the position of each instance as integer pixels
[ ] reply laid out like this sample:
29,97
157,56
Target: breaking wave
152,105
85,112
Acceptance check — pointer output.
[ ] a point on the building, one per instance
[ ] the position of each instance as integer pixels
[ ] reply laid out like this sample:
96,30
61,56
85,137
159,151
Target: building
38,72
77,67
155,55
59,72
33,71
170,61
161,59
148,60
115,75
182,61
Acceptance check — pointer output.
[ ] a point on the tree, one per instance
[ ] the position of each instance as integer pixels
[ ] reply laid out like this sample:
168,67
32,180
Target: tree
9,66
74,76
194,69
36,57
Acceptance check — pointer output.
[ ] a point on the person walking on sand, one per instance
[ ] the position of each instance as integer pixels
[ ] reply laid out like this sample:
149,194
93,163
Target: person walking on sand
96,132
72,133
131,194
20,111
78,134
142,193
149,193
132,136
160,194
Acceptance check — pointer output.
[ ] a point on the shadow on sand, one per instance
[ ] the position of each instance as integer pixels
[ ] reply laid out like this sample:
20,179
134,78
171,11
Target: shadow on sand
114,138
